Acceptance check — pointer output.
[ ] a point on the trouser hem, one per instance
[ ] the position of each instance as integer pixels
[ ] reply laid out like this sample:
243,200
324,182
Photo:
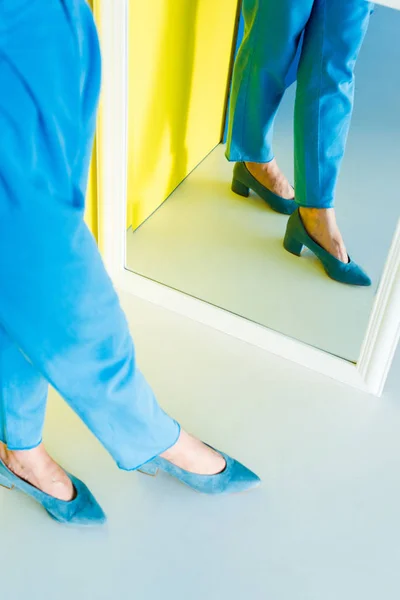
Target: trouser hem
17,448
321,205
124,468
236,157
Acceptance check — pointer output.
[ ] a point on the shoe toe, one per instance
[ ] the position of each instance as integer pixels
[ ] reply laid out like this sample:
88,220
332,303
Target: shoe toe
89,511
242,478
358,276
364,280
83,510
90,514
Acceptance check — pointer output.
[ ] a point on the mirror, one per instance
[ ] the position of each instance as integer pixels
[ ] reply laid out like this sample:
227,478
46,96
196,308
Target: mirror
187,229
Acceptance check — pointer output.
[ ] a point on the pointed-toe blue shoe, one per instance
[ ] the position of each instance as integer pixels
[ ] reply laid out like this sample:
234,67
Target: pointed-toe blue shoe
83,510
296,237
233,479
243,181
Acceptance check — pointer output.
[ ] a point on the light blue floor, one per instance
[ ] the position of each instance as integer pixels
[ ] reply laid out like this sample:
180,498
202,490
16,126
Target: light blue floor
324,525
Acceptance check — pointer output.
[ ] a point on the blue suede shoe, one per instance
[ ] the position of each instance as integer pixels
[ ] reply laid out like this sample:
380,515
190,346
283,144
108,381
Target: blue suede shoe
234,478
243,181
296,237
83,510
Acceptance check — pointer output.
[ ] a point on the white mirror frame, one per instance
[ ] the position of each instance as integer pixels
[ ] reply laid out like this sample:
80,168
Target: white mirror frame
383,329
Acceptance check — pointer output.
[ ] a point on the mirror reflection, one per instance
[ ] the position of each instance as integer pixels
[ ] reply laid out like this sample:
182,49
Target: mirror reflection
263,151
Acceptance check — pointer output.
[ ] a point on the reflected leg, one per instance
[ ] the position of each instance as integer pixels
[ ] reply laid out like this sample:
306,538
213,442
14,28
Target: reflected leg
263,70
324,103
272,34
325,96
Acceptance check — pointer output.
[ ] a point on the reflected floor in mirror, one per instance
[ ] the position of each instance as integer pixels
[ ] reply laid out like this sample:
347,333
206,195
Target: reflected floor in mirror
227,250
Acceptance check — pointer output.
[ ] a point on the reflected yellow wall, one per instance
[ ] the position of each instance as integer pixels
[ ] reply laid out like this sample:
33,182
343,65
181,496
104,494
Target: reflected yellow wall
179,57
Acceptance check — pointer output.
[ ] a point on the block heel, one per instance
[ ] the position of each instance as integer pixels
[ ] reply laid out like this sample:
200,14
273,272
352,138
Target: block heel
239,188
292,245
149,469
243,181
297,236
5,484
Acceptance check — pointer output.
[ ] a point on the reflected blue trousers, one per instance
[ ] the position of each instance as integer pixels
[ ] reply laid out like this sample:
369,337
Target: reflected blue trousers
331,33
60,318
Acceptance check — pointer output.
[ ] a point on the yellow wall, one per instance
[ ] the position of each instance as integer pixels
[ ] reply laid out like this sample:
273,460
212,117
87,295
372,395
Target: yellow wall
91,196
179,57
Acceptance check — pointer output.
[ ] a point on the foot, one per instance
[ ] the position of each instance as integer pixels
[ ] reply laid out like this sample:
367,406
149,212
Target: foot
40,470
192,455
271,177
320,224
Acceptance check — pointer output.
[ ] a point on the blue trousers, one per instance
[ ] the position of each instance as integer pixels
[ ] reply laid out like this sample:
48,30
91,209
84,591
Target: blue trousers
60,318
331,33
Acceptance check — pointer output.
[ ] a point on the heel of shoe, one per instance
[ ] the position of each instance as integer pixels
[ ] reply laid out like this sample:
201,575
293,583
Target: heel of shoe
239,188
292,245
5,483
149,469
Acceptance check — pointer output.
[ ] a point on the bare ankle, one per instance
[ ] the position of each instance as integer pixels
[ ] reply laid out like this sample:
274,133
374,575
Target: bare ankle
8,456
321,225
317,214
268,167
3,452
270,176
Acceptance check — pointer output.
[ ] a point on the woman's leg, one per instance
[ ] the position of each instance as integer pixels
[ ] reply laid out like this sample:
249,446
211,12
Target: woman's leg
324,103
272,34
58,305
23,397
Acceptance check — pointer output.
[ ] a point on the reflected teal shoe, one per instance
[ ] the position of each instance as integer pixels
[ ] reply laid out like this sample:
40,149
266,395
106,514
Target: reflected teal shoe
234,478
243,181
296,237
83,510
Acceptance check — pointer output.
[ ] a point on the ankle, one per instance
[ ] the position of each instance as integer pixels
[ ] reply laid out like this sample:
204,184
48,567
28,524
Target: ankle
178,449
14,460
4,453
24,459
8,456
321,225
321,220
317,214
261,167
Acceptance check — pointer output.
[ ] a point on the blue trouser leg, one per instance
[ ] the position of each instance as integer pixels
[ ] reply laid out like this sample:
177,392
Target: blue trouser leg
60,317
272,33
23,394
333,32
23,388
325,96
